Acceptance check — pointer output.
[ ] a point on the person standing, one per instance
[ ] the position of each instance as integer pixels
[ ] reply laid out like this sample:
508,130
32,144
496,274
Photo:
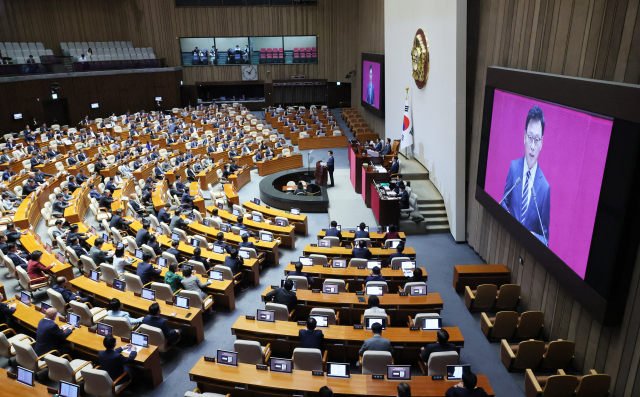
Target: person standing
330,167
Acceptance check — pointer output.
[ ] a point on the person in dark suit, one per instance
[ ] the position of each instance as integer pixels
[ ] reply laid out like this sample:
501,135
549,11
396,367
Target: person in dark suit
6,311
98,255
118,221
174,251
72,185
530,202
387,148
442,345
399,183
333,231
466,387
154,320
378,146
361,251
59,205
330,167
197,256
29,188
177,221
311,338
67,295
145,270
41,177
163,214
106,200
374,275
299,272
398,253
81,177
8,174
361,233
49,335
188,199
377,342
395,165
142,236
15,256
404,198
283,296
112,360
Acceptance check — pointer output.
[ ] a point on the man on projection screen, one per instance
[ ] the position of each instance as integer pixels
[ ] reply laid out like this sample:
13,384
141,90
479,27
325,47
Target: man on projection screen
371,88
527,192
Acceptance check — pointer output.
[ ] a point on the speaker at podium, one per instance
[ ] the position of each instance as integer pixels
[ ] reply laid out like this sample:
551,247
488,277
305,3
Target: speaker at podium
321,174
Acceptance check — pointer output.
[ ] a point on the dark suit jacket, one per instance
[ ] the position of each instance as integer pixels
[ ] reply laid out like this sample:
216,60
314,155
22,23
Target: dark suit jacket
5,313
462,392
67,295
361,234
142,237
404,200
233,264
311,339
513,201
330,163
284,297
395,167
161,323
145,271
385,150
373,278
17,260
163,216
333,232
176,253
49,337
362,253
113,362
119,223
436,348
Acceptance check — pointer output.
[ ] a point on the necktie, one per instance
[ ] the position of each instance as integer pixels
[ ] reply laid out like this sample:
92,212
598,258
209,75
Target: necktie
525,196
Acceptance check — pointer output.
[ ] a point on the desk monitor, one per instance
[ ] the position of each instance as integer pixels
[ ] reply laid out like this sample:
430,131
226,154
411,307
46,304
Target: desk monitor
244,254
339,263
105,237
25,376
218,249
104,329
256,218
339,227
321,320
94,276
205,222
69,389
244,232
306,261
139,339
225,227
118,284
215,275
398,372
44,307
337,370
24,298
295,211
191,216
324,243
195,243
410,265
60,257
256,201
454,372
187,267
162,262
295,284
227,358
139,254
220,206
374,290
280,223
330,288
281,365
418,290
236,212
372,264
159,230
366,229
182,302
175,237
266,315
73,319
372,320
268,237
47,247
430,324
148,294
394,244
94,231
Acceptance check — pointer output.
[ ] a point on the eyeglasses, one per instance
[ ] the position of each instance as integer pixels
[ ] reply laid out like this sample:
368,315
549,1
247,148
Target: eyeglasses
531,140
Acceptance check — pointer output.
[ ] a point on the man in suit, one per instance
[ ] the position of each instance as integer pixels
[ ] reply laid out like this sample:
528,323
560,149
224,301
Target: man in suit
395,166
333,231
8,174
41,177
145,270
330,167
404,198
6,157
311,338
163,214
175,252
283,296
118,221
466,387
378,146
6,310
106,200
49,335
51,153
374,275
387,148
14,254
299,272
58,206
142,236
98,255
67,295
177,221
29,188
361,251
530,204
154,320
72,185
442,345
361,233
399,183
398,253
371,88
36,159
112,360
377,342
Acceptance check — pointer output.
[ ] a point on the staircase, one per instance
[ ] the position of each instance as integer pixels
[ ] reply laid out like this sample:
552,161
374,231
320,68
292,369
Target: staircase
68,64
435,215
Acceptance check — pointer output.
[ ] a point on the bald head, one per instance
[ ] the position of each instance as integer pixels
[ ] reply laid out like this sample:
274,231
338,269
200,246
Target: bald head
61,280
51,313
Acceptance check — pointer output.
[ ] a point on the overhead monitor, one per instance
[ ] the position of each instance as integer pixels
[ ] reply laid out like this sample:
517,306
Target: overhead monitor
17,116
158,98
372,82
94,106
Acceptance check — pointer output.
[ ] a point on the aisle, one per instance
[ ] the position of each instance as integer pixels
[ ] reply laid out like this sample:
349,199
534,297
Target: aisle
345,205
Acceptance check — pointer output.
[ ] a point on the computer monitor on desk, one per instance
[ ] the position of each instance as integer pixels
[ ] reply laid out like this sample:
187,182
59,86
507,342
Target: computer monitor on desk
321,320
339,263
330,288
305,261
338,370
372,264
138,339
25,376
372,320
227,358
266,315
399,372
374,290
281,365
69,390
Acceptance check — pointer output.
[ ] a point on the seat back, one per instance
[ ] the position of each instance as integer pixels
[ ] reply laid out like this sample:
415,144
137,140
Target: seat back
560,386
485,296
330,313
383,284
23,279
170,258
5,346
131,244
226,271
529,354
407,286
594,385
388,242
59,368
197,266
133,282
342,285
559,354
249,351
375,362
420,317
508,297
358,262
505,325
281,311
301,282
282,219
252,252
57,301
438,362
121,327
531,324
333,240
25,355
109,273
87,263
163,291
305,359
82,310
146,249
156,337
97,382
195,300
181,234
319,260
367,240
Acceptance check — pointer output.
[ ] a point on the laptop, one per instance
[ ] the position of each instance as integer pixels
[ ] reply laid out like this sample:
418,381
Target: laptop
321,320
454,372
220,206
104,329
305,261
159,230
218,249
25,376
120,245
227,358
337,370
266,315
295,284
372,264
244,233
182,302
256,218
69,390
398,372
175,237
47,247
60,257
324,243
329,288
371,320
205,222
94,231
105,237
162,262
94,276
295,211
138,339
215,275
244,254
73,319
408,267
339,263
225,227
24,298
394,244
374,290
256,201
44,307
139,254
280,223
266,237
195,243
148,294
118,284
236,212
430,324
418,290
281,365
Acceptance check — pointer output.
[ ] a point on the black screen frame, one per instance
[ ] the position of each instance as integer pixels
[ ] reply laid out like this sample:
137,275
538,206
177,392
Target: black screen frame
614,246
378,58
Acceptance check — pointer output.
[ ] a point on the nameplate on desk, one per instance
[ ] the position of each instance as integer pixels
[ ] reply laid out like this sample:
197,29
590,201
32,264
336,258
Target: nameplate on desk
209,359
250,317
377,377
403,294
315,291
92,330
274,286
11,375
125,340
52,390
414,328
317,373
314,245
359,292
302,323
169,303
395,268
261,367
437,377
137,294
357,327
360,267
326,265
384,248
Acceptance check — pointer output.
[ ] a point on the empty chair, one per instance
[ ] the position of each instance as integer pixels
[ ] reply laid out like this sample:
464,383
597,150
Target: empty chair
305,359
6,344
530,326
342,285
156,337
89,317
109,273
558,354
375,362
57,301
438,361
251,352
527,354
132,282
418,320
358,262
482,298
66,369
319,260
594,385
508,297
281,311
98,383
333,241
196,301
502,326
333,318
163,291
121,327
560,385
301,282
26,357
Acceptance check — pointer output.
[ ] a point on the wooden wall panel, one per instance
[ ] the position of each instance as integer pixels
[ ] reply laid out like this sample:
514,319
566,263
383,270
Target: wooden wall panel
586,38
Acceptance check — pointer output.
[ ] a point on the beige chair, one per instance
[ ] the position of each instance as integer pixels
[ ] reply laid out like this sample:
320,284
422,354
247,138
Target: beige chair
397,262
89,316
120,326
417,321
195,300
527,354
407,286
66,369
358,262
375,362
116,235
437,364
58,302
148,250
558,354
389,242
196,393
170,259
198,267
87,264
251,352
282,219
334,241
319,260
560,385
364,317
30,286
343,286
281,311
6,344
133,282
109,273
508,297
333,318
156,337
483,298
366,240
502,326
26,357
181,234
163,291
383,284
594,385
98,383
131,244
73,258
228,275
530,325
309,359
12,272
301,282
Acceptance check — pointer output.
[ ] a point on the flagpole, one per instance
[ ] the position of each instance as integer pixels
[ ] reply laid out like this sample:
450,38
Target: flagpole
407,149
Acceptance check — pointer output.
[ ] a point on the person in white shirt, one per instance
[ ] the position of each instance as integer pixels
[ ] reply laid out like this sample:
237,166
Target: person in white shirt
7,204
82,58
374,301
114,311
120,261
118,178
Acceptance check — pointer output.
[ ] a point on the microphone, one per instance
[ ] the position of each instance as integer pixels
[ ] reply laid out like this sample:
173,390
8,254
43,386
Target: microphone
535,200
507,193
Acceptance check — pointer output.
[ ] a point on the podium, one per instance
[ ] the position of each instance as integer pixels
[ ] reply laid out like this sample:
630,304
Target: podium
321,174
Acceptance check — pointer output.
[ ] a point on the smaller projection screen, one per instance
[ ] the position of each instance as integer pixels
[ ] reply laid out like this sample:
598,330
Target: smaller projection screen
373,83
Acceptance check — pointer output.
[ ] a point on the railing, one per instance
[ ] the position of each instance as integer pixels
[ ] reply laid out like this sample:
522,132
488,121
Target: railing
92,66
54,64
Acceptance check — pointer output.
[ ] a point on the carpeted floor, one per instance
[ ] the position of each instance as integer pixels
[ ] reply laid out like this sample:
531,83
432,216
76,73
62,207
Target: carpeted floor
437,253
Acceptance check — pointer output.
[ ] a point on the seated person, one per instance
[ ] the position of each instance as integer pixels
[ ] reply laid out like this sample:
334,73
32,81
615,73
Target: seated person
197,256
16,257
49,336
377,342
392,234
35,269
374,275
374,302
191,282
115,310
155,246
283,296
466,387
333,231
362,251
300,190
172,278
175,252
146,270
6,311
299,272
311,338
417,276
398,253
120,261
154,320
361,233
442,345
220,242
112,360
67,295
98,255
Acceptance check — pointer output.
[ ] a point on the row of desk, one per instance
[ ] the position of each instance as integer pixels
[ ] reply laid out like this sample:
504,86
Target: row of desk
268,167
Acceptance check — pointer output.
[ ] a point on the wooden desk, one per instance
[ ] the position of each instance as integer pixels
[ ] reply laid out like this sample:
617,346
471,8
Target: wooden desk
368,176
474,275
14,388
241,178
87,345
218,378
342,341
386,209
284,233
194,190
355,165
139,307
352,275
323,142
28,213
375,237
342,252
78,209
210,175
283,163
59,270
231,193
298,221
